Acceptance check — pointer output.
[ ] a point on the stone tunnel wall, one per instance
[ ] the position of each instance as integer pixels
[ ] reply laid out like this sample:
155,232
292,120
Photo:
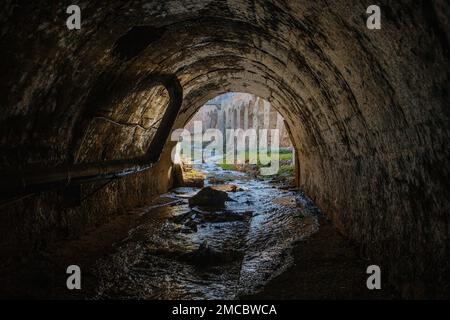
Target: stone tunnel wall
367,110
33,224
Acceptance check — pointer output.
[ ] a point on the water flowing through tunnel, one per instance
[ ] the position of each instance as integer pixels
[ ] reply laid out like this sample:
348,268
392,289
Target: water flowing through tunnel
87,115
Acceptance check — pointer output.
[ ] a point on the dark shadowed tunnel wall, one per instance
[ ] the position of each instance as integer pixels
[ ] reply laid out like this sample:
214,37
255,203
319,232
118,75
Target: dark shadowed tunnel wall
367,110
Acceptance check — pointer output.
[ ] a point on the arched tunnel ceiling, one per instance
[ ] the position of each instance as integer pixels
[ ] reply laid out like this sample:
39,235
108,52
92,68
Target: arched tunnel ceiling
366,108
335,80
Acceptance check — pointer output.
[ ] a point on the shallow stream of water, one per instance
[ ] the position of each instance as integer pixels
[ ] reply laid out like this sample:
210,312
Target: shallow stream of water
178,252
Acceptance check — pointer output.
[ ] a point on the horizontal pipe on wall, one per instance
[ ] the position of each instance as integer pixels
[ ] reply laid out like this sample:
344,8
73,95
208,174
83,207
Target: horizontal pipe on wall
17,183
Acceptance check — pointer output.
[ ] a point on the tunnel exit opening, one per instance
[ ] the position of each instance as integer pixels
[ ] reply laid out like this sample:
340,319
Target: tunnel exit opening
237,132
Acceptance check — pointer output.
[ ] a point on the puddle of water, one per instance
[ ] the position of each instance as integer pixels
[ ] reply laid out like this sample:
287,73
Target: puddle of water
179,253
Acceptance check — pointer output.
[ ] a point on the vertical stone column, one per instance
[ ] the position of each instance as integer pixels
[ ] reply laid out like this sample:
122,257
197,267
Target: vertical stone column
221,119
256,115
238,117
280,127
266,114
246,107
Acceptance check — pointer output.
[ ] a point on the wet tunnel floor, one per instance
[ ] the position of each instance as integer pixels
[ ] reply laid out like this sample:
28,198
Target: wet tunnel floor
266,243
179,252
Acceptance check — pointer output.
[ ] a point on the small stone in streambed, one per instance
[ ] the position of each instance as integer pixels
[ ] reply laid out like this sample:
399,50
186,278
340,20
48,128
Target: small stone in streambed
217,217
192,225
186,230
209,197
235,188
206,256
215,180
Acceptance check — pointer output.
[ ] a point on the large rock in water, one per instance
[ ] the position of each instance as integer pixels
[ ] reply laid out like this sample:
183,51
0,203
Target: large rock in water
209,197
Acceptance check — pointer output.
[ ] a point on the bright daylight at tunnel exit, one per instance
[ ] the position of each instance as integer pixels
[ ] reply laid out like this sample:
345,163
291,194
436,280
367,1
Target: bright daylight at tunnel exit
253,152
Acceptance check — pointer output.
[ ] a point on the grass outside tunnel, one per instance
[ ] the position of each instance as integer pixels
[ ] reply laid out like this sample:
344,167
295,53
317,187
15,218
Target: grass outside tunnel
285,157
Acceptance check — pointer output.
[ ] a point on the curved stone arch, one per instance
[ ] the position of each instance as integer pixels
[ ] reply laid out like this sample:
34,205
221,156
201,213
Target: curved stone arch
168,83
235,84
